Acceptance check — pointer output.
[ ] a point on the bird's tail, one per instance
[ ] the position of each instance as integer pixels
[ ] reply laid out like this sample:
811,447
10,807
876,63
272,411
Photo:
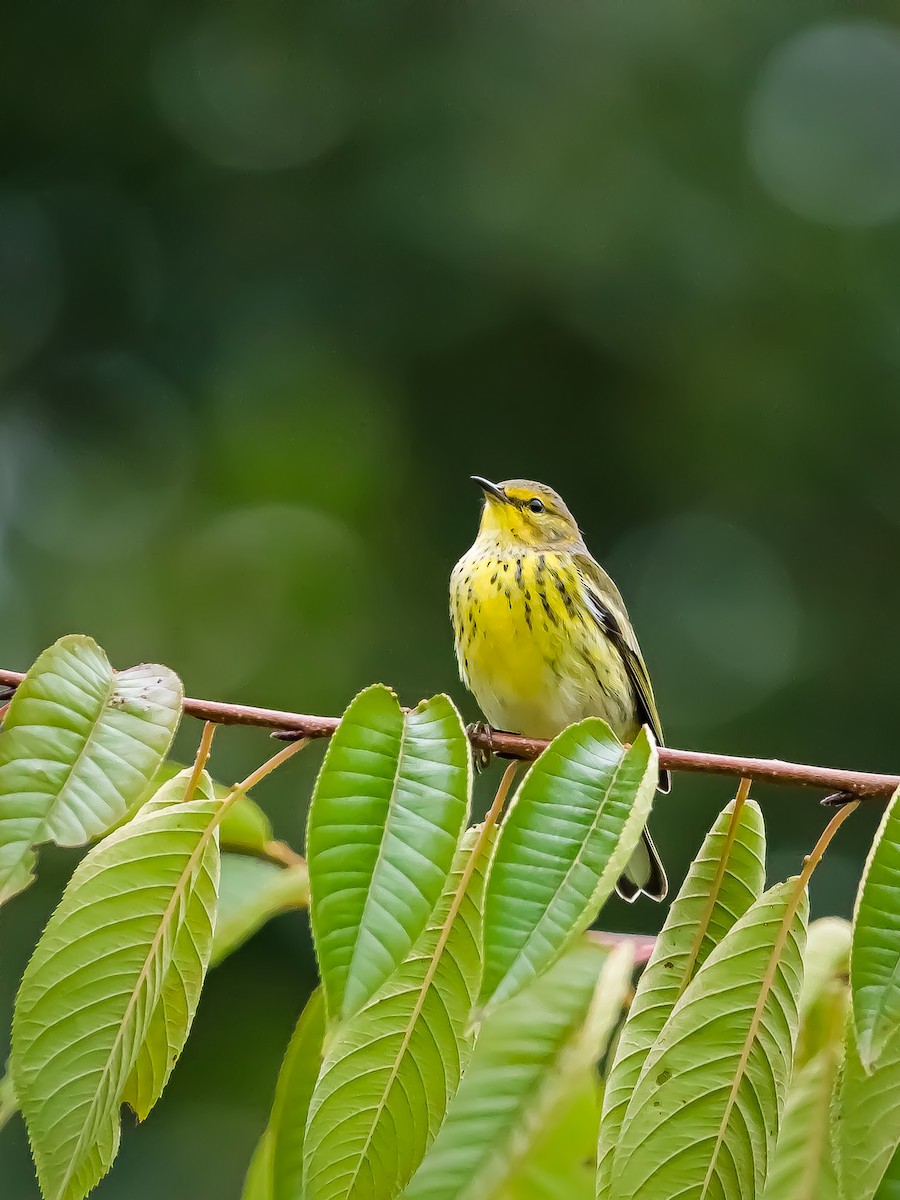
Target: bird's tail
644,873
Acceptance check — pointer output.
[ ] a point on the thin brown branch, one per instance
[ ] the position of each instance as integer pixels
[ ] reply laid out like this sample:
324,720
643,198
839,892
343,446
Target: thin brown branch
290,726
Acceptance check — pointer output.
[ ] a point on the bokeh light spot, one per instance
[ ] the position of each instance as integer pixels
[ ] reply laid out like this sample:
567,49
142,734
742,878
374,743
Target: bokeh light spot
823,124
248,101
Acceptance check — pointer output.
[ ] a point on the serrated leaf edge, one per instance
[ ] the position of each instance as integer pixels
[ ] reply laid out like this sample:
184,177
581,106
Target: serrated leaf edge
177,892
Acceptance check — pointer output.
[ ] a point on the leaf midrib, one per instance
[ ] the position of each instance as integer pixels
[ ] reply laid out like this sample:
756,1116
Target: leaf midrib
618,1091
768,983
195,856
28,843
379,858
520,1134
576,862
813,1166
440,949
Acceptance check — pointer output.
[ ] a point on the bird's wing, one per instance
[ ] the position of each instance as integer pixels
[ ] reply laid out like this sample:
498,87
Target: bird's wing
608,610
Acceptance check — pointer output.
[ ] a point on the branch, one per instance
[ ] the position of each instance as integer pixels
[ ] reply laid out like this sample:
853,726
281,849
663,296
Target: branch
642,944
291,725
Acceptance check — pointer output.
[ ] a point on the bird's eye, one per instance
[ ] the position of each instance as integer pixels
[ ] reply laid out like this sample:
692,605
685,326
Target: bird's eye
536,506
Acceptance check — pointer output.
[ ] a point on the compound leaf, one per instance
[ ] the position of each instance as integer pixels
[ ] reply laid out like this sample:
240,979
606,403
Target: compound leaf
391,1069
244,827
664,977
568,835
389,805
703,1117
534,1052
79,745
865,1118
825,996
251,892
827,958
107,999
559,1163
802,1168
875,952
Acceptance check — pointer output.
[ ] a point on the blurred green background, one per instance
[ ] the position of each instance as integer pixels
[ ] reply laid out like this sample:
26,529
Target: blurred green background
276,279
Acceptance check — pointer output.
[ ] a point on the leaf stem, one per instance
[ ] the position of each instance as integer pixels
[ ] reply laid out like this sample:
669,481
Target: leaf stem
241,789
810,862
740,800
200,759
255,777
502,792
283,854
484,833
280,854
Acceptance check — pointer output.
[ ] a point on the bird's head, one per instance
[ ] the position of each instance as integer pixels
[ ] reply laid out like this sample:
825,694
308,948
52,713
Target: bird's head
519,512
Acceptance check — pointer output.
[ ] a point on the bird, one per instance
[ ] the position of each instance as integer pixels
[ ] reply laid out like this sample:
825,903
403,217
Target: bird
543,638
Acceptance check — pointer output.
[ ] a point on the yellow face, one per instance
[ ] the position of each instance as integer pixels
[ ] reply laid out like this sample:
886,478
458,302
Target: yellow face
524,513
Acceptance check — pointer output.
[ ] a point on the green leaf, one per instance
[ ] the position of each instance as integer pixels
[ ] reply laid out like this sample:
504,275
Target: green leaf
664,976
107,999
875,953
389,805
802,1168
532,1054
890,1185
276,1170
567,837
392,1068
865,1118
705,1111
560,1162
827,958
258,1180
9,1104
244,827
823,1001
78,747
251,892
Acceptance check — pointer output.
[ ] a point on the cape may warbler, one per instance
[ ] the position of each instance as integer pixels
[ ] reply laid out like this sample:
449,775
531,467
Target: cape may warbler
543,638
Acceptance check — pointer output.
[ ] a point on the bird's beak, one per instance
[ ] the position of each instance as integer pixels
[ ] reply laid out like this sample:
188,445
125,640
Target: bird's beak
489,489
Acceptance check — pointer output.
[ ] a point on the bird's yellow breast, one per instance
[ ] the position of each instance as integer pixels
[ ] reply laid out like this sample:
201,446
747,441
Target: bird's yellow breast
528,647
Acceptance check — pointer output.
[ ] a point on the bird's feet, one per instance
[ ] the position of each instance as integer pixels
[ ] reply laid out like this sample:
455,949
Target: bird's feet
482,744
